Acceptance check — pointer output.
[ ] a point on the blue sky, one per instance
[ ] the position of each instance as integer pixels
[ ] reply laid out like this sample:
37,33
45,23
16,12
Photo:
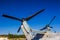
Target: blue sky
25,8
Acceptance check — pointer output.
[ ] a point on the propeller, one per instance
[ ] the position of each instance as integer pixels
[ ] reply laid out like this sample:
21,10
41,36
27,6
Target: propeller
11,17
52,20
19,29
28,18
23,19
48,25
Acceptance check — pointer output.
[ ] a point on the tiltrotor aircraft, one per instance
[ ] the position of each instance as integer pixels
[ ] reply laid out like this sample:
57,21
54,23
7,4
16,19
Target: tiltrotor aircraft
31,34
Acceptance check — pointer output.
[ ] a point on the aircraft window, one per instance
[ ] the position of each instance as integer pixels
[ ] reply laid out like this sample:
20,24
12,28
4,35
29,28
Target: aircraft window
38,36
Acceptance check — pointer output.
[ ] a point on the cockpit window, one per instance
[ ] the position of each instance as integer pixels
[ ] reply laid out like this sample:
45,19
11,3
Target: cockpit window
38,36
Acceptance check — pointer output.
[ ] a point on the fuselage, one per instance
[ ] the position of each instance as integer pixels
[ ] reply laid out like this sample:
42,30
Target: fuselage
45,36
26,30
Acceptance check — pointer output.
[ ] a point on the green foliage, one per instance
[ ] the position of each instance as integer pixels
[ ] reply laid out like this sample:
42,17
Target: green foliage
15,36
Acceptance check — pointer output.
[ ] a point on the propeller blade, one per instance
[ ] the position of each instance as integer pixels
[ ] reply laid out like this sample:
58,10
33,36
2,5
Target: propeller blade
4,15
51,27
52,20
19,29
34,14
43,28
